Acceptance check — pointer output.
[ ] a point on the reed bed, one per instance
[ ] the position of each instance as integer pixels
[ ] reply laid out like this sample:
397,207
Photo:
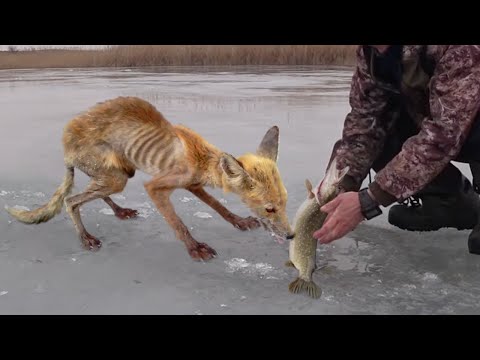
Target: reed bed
179,55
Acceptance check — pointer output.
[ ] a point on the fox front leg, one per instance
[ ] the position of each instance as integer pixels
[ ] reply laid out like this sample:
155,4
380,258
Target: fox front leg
247,223
159,189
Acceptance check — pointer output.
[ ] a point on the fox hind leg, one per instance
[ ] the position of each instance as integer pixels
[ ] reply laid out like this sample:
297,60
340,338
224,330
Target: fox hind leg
121,213
100,187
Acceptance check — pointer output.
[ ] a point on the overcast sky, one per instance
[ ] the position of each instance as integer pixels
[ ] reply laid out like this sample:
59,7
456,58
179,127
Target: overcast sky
5,47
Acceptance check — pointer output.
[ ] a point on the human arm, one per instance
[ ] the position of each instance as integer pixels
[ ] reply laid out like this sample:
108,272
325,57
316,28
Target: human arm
365,126
454,103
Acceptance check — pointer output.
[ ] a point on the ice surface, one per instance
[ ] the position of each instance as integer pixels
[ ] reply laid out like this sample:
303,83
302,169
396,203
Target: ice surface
376,269
262,270
118,197
106,211
202,215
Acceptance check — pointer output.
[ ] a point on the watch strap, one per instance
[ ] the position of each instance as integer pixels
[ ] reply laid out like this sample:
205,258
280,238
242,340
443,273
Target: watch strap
369,207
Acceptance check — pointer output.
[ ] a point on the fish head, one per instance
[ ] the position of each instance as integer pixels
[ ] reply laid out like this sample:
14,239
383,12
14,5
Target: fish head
328,187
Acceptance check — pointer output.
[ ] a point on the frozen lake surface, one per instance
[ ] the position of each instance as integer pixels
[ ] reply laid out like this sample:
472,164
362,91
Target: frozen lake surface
142,269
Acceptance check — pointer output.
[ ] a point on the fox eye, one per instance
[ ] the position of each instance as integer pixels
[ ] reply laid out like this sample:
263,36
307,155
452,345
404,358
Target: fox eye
270,210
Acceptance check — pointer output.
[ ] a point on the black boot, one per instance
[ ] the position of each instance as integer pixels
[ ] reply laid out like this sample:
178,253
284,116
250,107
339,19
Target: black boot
448,202
474,238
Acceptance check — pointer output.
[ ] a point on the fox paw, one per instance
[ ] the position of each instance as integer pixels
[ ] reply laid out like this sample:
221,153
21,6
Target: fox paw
201,251
90,242
126,214
248,223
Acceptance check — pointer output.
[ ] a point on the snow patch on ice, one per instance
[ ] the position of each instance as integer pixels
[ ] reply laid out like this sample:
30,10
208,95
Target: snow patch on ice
202,215
237,265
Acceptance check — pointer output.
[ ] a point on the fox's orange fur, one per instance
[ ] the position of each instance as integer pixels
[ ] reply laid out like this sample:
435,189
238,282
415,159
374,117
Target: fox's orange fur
115,138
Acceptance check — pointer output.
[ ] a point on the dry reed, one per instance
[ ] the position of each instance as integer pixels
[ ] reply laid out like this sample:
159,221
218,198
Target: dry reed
180,55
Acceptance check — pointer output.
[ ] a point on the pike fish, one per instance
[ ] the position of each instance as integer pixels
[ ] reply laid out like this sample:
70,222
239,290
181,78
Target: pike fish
308,219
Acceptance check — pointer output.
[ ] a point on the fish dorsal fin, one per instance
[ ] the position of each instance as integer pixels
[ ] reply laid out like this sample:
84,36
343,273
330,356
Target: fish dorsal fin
309,187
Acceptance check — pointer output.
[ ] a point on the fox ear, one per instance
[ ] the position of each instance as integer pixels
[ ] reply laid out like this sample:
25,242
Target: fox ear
269,146
236,175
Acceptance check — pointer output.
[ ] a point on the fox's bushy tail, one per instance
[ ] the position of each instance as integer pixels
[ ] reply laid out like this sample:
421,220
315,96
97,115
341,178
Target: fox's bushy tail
50,209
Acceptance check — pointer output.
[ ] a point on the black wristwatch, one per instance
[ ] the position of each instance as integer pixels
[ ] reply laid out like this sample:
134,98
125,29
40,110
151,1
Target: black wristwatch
369,207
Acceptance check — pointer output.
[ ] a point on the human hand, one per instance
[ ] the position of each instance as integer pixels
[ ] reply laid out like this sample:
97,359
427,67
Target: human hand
344,215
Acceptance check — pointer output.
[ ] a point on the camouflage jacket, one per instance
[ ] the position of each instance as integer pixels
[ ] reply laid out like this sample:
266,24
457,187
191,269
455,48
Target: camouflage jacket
446,114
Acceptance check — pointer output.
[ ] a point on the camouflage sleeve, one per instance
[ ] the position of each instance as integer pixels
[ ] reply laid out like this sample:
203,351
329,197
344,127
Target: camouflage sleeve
364,127
454,103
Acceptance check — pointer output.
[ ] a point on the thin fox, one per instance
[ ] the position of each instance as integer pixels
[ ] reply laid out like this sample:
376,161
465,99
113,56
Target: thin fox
113,139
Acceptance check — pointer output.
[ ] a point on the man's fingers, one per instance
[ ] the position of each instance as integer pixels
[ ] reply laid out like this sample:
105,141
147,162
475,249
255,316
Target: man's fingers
328,238
329,231
325,227
335,233
328,227
329,235
328,207
330,216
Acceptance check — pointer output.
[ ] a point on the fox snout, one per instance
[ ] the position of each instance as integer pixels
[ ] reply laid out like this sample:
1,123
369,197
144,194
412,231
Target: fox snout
289,231
283,228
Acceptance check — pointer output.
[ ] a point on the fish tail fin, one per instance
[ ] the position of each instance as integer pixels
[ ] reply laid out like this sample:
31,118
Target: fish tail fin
300,285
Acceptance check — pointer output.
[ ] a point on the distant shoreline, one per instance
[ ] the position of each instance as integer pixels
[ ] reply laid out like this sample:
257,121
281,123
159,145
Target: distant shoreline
180,55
